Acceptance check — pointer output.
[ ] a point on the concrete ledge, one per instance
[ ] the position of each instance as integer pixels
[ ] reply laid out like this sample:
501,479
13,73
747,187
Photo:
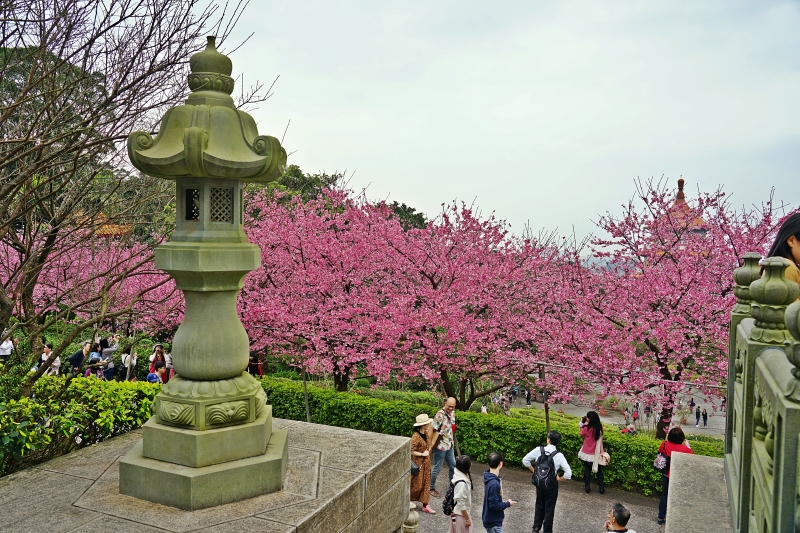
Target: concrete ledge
336,481
698,496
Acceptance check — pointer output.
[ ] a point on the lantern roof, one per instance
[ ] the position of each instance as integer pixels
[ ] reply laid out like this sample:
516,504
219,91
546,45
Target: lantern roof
208,137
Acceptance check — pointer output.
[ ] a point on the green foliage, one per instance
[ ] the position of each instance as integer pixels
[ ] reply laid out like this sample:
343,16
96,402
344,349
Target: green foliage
422,398
479,434
57,421
409,217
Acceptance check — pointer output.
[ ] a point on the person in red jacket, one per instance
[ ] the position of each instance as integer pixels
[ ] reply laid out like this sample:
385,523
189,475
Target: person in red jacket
676,442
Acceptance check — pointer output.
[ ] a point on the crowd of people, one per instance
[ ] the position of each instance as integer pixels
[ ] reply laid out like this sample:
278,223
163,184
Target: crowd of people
97,359
433,444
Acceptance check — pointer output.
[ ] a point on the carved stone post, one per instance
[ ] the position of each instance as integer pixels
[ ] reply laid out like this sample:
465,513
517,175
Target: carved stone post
411,525
737,352
770,294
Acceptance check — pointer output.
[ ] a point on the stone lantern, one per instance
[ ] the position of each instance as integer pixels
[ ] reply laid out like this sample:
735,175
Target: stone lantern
210,440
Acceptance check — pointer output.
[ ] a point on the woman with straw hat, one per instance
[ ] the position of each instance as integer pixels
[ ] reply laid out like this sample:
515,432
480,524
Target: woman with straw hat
420,484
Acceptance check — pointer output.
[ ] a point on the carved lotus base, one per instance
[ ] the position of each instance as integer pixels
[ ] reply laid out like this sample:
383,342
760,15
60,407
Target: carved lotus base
205,405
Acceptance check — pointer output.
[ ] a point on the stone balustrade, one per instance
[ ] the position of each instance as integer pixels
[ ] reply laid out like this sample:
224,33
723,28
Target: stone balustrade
763,419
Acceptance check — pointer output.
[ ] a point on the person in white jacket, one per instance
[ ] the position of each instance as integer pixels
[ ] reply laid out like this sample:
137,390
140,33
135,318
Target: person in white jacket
546,497
460,518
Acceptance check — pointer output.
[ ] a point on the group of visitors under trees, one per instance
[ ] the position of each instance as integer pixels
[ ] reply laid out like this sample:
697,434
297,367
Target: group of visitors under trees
433,443
96,359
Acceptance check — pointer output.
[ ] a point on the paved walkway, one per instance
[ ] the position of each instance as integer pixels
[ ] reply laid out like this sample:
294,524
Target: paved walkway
576,511
716,420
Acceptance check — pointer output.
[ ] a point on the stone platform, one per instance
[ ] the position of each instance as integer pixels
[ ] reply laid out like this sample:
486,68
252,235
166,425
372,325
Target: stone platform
337,481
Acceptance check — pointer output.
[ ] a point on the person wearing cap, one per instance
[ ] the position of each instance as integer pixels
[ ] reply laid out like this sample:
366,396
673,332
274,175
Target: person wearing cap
158,375
421,456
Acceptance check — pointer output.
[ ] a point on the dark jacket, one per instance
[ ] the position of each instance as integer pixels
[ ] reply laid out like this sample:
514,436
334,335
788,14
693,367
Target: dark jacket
76,359
493,504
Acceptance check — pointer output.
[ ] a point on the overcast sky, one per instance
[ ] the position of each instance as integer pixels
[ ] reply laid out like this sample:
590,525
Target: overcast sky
543,112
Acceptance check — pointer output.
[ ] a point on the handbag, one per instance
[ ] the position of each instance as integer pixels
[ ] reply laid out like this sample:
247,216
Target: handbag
601,457
414,468
661,462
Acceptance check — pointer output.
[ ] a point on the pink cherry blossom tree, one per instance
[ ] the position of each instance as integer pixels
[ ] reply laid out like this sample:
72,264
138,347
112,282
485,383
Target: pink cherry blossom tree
652,315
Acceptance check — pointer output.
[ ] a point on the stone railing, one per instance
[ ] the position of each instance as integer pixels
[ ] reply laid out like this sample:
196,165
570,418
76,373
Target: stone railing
763,419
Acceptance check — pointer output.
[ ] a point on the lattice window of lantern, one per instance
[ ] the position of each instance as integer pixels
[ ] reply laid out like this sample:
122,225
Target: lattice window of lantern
221,204
192,204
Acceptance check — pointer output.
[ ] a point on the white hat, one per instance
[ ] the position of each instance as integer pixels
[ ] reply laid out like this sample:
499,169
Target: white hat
423,419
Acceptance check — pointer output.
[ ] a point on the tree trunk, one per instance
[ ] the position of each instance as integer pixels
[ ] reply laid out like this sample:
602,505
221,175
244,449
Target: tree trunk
341,378
665,419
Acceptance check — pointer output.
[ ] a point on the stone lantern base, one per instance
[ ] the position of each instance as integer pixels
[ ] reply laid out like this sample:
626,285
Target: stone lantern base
192,470
208,443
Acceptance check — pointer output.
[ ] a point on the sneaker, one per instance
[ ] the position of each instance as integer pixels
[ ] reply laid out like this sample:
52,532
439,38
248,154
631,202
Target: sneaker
661,521
435,493
427,509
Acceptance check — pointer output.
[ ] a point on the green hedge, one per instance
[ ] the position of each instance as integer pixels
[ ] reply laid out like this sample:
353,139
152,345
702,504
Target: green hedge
478,434
89,411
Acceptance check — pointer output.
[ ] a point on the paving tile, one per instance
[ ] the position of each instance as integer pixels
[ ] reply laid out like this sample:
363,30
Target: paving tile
106,524
282,423
92,461
36,500
302,470
249,525
104,497
346,449
326,517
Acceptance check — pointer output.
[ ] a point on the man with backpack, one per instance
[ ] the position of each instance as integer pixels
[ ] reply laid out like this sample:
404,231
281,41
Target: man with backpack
547,461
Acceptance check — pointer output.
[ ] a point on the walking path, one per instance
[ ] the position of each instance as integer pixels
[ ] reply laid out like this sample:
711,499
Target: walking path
576,511
716,420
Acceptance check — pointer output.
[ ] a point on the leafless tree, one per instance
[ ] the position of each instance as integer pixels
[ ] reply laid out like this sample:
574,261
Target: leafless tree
76,77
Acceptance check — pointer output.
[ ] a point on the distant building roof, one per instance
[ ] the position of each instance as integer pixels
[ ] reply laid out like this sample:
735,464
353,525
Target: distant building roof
682,211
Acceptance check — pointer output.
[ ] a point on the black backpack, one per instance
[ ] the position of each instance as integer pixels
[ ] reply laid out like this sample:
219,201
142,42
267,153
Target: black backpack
544,471
449,502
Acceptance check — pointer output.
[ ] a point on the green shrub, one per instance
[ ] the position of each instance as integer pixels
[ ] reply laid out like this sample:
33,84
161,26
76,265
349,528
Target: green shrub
478,434
423,398
52,424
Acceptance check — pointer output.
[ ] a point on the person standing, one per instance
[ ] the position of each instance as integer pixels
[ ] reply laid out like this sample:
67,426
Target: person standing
129,361
546,497
676,442
52,370
618,518
76,359
691,404
528,396
107,355
493,505
441,442
6,347
460,518
155,357
589,454
705,418
724,399
421,456
697,418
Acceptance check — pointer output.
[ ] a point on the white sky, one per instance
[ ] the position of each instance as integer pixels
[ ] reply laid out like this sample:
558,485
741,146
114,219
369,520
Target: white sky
539,111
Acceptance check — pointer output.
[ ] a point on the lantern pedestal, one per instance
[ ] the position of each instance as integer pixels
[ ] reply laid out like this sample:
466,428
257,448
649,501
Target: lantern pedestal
191,489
